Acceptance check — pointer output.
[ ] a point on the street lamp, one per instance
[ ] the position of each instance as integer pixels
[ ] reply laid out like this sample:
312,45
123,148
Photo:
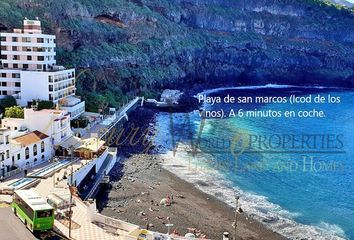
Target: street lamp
236,209
71,149
168,225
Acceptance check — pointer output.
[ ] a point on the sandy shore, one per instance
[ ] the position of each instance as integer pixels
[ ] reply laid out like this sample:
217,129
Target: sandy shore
136,197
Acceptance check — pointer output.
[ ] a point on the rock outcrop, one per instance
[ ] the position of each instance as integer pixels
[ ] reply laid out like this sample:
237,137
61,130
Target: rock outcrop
141,46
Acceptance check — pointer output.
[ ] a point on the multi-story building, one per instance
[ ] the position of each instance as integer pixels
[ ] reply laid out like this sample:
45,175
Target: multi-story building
28,141
21,148
29,149
4,150
28,69
54,123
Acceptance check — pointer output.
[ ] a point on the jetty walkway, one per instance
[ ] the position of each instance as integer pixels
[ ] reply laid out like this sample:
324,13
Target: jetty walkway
102,129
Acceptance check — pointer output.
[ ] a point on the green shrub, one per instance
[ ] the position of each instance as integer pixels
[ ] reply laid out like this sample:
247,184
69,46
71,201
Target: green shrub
14,112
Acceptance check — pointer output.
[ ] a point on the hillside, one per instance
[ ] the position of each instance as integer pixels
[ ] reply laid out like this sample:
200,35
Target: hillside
127,47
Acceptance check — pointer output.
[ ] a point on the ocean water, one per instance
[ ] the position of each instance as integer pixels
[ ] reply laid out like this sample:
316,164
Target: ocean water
295,175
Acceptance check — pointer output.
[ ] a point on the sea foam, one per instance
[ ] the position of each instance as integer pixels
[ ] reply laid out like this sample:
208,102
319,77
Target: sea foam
180,163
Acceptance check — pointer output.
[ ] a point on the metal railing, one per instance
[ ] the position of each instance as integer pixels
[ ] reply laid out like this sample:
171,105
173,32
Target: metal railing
12,173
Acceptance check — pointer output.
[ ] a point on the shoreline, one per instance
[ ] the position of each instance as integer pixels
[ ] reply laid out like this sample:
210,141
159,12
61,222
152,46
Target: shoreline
144,182
279,225
256,207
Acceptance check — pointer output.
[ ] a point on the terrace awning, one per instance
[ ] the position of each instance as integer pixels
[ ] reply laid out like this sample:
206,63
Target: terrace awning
57,202
91,144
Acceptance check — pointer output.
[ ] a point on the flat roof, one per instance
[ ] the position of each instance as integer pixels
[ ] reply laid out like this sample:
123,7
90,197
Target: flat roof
35,201
72,141
92,144
31,137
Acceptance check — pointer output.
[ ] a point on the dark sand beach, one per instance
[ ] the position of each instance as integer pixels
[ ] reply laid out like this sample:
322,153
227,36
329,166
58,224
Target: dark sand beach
143,183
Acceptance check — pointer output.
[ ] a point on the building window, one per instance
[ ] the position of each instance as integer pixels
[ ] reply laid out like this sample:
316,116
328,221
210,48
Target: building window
3,56
14,39
42,146
40,58
7,154
35,150
3,48
25,66
17,84
3,84
15,65
14,48
26,39
15,57
3,39
29,58
40,40
4,93
35,160
27,153
18,156
42,157
7,139
6,65
3,75
39,66
15,75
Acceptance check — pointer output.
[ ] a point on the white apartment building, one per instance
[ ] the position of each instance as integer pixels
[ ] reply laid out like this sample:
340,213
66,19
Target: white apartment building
29,149
28,69
54,123
4,150
74,106
22,149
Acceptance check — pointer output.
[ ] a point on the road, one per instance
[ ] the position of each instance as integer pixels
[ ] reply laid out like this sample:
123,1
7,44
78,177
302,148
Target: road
11,227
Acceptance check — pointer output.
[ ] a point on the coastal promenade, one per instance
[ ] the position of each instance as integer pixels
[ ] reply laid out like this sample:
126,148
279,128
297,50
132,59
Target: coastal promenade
102,129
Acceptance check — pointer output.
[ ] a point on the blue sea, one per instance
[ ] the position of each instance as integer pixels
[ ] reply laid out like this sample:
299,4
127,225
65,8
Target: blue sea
296,175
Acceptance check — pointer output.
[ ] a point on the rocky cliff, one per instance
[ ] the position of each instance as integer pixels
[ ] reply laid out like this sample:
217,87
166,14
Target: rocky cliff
126,47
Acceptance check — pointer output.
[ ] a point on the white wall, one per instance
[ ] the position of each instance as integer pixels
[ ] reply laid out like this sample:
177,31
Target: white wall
23,162
82,172
34,85
76,110
45,121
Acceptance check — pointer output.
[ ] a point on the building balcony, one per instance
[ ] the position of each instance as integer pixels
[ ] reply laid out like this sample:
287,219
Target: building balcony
74,106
